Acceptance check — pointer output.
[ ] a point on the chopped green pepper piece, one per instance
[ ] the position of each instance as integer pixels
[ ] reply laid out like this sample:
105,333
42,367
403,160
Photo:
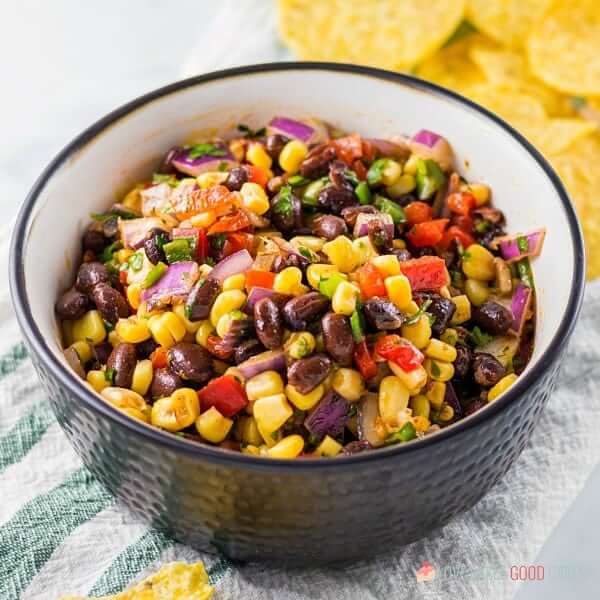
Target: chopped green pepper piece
525,273
385,205
422,310
107,253
298,181
311,193
178,250
328,285
109,375
154,275
363,192
522,243
430,178
375,172
357,324
136,261
406,433
482,226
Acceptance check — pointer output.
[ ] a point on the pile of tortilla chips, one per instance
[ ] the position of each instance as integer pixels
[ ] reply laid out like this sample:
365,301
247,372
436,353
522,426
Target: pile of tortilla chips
174,581
536,63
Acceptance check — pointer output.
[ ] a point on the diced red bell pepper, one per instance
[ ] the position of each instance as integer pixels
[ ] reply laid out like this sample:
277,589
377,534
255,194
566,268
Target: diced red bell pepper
364,361
370,281
159,358
263,279
455,233
258,175
427,234
399,351
123,277
226,394
238,241
426,273
214,344
418,212
461,203
359,168
349,148
464,222
192,234
203,248
368,151
234,222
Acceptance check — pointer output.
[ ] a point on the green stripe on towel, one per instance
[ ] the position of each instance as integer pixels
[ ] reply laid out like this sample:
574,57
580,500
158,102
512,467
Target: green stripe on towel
12,359
25,434
28,540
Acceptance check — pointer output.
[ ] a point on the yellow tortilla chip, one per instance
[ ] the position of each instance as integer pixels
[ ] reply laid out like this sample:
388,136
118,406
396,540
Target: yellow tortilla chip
553,136
507,21
509,68
390,34
174,581
509,104
564,47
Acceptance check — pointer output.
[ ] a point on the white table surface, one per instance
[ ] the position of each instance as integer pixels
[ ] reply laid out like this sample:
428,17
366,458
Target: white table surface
66,63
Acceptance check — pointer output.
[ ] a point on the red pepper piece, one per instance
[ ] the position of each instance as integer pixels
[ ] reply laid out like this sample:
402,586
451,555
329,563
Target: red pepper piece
226,394
399,351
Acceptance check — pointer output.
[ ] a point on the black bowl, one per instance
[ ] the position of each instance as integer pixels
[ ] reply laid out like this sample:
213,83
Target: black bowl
306,511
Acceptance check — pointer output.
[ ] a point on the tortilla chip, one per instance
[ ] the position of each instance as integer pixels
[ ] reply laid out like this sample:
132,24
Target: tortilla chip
509,104
553,136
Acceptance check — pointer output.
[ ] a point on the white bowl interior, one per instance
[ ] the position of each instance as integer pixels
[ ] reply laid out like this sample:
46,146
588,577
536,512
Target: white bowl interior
129,149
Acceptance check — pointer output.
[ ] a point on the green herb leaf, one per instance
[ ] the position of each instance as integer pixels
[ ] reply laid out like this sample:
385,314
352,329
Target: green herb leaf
298,181
107,253
353,410
209,261
249,133
283,206
406,433
422,309
482,226
218,240
479,337
522,243
307,253
109,375
199,150
163,178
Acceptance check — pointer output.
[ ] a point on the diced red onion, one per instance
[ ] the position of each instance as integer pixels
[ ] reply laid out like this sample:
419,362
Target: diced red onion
271,360
309,131
426,137
329,417
176,282
368,413
258,293
509,245
519,305
133,231
235,263
194,166
361,227
428,145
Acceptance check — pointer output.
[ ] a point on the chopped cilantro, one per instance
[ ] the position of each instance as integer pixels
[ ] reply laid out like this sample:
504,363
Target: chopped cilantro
461,251
108,326
187,311
306,253
209,261
275,434
107,253
249,133
482,226
218,241
283,206
199,150
479,337
422,309
522,243
163,178
109,375
313,439
458,279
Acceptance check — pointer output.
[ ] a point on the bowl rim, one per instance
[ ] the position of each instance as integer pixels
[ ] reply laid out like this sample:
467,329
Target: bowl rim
77,387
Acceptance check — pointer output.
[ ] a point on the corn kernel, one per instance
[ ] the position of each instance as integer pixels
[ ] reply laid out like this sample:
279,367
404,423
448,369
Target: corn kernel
289,281
132,330
89,328
234,282
142,377
254,198
420,406
123,254
133,200
315,271
328,447
204,219
349,384
477,291
393,398
463,309
398,290
446,413
97,379
300,344
225,303
449,336
257,155
391,173
83,351
293,153
422,424
387,264
237,147
440,351
271,412
312,242
190,326
225,323
344,298
439,370
364,249
478,263
267,383
342,254
205,330
436,392
445,292
211,178
213,426
134,295
123,398
410,166
399,244
413,380
412,308
404,185
177,411
480,191
304,401
419,333
289,447
114,339
236,374
501,386
167,329
248,431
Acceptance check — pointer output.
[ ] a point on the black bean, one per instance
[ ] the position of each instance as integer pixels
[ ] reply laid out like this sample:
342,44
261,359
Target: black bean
487,369
201,298
329,227
307,373
402,254
291,260
493,317
153,246
110,227
338,175
110,303
268,323
302,310
89,275
350,214
462,364
236,178
121,363
247,349
190,361
380,236
317,164
164,383
72,304
286,212
146,348
274,144
441,308
337,338
332,199
94,240
383,315
102,351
